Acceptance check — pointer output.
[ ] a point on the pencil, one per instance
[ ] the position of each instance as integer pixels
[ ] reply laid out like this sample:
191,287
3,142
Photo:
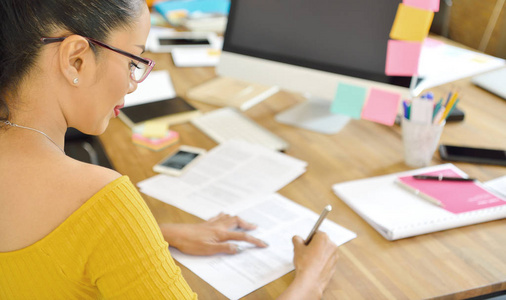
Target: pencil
448,107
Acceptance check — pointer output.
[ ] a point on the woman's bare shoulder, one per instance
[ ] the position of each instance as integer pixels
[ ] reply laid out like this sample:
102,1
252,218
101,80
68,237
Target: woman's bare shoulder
89,178
45,196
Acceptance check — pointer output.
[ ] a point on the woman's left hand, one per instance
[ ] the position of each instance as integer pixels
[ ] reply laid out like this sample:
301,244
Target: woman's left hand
210,237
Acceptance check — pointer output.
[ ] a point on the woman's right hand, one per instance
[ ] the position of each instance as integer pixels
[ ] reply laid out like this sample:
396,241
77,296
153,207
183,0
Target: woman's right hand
315,264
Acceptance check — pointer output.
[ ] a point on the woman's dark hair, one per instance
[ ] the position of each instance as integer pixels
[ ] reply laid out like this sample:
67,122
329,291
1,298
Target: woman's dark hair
24,22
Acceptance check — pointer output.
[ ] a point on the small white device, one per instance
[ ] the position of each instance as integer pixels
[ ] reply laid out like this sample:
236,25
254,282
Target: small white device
166,41
178,162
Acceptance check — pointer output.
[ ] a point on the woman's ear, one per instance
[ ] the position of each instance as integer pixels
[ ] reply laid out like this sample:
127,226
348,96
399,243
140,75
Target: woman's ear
77,59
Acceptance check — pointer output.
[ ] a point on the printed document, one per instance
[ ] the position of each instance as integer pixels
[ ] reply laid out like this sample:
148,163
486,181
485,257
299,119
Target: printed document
278,220
225,178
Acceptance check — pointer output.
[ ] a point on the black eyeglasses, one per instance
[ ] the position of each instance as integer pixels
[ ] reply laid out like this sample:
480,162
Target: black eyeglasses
139,69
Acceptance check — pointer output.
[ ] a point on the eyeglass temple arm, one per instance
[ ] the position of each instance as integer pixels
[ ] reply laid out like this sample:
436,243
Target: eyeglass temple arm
45,40
148,62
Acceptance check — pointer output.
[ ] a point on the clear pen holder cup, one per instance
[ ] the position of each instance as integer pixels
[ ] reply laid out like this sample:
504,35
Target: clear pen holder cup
420,142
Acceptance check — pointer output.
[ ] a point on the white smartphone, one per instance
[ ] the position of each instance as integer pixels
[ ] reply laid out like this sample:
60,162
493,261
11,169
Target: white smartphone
165,42
178,162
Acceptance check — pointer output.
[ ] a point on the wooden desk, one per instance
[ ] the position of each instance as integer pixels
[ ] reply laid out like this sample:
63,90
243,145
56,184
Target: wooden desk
452,264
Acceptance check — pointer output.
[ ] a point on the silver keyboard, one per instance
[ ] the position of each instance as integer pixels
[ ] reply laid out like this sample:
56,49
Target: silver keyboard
227,123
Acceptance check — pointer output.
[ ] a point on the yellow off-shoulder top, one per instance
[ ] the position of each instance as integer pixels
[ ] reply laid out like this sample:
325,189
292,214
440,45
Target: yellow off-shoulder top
109,248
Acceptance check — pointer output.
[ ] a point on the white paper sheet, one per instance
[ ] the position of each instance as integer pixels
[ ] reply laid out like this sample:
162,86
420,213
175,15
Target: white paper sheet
441,63
225,178
195,57
278,220
157,86
498,185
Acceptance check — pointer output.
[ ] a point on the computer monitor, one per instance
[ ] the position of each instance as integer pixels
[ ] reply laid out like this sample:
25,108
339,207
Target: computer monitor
309,46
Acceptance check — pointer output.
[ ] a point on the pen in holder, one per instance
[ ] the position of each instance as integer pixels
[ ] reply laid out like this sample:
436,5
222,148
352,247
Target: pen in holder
420,141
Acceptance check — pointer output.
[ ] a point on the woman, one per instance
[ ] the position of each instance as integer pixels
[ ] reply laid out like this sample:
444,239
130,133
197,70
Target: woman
70,230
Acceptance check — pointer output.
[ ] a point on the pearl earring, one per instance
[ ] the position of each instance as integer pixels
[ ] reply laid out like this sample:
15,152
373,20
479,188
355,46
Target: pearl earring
76,80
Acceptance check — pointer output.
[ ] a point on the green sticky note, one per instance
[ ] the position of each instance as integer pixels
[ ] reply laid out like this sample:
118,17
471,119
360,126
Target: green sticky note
349,100
411,23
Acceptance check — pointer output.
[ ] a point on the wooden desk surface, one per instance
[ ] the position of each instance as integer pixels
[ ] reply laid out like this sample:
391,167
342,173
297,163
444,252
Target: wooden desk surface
452,264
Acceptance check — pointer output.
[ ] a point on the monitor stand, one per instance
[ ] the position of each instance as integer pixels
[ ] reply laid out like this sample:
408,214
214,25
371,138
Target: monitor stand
313,114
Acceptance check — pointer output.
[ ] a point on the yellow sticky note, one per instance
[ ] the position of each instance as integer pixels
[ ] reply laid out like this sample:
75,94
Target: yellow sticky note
411,23
153,129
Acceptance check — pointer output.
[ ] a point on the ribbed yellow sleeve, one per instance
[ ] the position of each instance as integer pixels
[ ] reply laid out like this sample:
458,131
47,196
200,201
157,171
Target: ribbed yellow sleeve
110,248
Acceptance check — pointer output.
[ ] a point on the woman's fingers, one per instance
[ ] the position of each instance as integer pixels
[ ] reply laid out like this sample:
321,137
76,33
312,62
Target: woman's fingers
231,222
242,236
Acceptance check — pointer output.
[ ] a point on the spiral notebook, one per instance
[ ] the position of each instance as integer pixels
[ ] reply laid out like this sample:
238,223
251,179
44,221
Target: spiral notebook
397,213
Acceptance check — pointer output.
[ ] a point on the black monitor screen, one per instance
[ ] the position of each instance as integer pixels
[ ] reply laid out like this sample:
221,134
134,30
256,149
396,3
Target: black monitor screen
347,37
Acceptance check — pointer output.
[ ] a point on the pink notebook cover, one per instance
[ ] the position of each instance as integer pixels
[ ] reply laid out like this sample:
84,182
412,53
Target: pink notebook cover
455,196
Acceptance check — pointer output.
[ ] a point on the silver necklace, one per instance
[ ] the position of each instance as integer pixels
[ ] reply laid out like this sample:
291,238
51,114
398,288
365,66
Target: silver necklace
33,129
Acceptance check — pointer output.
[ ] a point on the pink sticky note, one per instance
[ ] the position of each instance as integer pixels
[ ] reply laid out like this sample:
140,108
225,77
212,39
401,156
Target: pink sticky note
402,58
432,5
381,106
